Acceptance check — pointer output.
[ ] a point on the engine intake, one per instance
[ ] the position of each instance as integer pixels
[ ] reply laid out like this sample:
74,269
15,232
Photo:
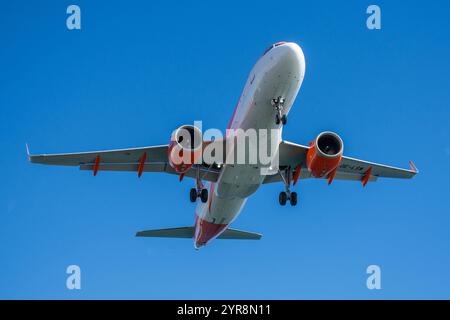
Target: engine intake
325,154
185,148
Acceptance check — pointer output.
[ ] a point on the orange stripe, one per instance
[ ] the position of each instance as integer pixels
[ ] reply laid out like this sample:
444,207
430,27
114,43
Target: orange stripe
141,164
96,165
298,169
366,176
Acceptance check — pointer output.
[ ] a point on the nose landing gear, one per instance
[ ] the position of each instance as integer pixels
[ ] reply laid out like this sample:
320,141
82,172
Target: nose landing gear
287,194
280,118
278,104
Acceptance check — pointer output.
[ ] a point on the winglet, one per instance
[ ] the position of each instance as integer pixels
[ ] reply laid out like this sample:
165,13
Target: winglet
28,151
413,167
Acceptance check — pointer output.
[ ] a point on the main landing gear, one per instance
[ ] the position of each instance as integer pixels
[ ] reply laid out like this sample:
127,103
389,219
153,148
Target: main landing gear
278,104
287,194
200,191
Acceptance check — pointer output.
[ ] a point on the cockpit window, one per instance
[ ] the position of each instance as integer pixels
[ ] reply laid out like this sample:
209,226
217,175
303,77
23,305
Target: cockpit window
268,49
273,46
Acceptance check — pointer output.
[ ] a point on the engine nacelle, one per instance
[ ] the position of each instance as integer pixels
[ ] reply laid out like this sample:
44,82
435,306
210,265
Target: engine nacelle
325,154
185,148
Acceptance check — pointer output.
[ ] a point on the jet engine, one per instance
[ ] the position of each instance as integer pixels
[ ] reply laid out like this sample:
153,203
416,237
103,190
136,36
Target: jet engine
324,154
185,148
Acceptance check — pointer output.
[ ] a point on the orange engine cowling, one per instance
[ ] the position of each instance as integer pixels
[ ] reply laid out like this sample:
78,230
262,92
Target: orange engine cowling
185,148
325,154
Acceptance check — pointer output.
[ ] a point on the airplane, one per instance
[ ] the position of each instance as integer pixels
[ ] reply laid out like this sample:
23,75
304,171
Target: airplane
269,93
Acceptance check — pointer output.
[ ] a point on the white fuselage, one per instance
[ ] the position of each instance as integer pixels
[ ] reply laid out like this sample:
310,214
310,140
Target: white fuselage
278,73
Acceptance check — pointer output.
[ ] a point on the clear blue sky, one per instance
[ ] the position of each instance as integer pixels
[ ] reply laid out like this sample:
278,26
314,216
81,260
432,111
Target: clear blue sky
139,69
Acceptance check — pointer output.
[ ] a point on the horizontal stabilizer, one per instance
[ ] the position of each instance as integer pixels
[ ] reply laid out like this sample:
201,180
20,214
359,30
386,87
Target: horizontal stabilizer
188,232
183,232
238,234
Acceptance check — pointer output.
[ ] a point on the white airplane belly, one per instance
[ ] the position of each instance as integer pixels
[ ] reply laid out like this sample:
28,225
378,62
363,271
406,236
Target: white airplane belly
273,76
241,180
219,210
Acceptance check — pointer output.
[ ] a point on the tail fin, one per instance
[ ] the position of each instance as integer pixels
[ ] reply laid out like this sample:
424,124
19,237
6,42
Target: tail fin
188,232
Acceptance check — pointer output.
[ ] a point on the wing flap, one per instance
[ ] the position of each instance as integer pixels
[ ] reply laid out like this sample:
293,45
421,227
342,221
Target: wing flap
356,166
206,174
347,176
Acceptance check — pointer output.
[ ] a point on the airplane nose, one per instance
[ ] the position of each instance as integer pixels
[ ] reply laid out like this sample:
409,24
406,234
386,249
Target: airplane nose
292,55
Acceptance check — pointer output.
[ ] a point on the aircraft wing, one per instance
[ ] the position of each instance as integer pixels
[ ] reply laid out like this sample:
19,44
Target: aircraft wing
131,155
122,160
293,155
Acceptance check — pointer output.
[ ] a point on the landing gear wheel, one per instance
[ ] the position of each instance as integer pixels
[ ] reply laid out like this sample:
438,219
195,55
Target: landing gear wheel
284,119
204,195
293,198
193,195
278,104
282,198
277,119
287,194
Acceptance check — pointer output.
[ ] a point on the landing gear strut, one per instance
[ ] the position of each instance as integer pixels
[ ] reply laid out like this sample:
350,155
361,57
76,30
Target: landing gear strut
200,191
287,194
278,104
